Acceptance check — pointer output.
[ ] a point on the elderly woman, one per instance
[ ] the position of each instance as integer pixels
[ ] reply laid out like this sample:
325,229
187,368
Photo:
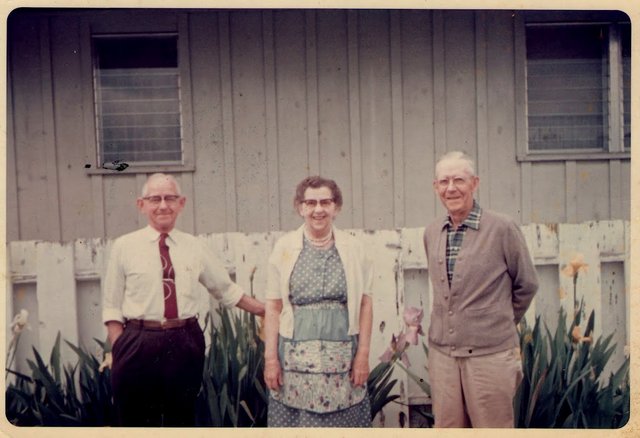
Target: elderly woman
318,318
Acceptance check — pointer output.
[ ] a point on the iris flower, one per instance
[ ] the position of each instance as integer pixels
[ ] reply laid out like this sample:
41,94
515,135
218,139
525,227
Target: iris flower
396,349
20,322
572,269
413,318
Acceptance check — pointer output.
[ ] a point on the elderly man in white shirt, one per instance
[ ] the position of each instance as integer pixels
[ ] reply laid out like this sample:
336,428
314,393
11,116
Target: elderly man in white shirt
150,298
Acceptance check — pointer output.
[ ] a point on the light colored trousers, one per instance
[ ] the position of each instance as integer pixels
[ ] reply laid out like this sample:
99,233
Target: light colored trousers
474,391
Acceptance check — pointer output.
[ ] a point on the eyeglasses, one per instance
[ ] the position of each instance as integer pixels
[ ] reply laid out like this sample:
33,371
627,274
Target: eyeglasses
156,200
324,203
457,181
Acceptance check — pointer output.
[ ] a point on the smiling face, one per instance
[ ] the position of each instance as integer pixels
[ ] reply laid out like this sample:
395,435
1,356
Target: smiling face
455,185
319,218
161,215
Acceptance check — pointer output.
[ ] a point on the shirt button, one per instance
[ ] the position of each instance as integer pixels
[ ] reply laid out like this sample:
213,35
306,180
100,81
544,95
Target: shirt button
440,261
453,347
442,279
450,330
450,312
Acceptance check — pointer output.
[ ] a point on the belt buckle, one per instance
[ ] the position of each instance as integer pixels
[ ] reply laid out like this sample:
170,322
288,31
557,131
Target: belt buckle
164,324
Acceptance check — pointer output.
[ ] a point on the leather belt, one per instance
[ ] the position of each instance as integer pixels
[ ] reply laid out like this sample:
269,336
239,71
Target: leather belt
161,325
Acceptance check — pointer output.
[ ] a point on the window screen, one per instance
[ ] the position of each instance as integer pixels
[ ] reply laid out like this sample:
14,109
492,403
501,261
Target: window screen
626,82
567,79
137,98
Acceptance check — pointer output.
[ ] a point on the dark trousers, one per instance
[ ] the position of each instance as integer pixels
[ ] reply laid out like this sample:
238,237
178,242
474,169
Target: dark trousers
156,375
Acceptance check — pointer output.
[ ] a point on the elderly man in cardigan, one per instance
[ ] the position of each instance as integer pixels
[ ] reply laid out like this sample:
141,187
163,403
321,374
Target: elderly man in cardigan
483,282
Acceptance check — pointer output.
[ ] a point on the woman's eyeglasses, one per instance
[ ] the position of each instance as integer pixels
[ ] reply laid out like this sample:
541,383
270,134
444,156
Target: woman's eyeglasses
324,203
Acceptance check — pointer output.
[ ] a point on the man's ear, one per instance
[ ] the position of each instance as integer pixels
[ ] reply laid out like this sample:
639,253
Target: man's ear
476,182
139,203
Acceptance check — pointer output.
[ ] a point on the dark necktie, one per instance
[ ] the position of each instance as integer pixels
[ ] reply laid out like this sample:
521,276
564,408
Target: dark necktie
168,280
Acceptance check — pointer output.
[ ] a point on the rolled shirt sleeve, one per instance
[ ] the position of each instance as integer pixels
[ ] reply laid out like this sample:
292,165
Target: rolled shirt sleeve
113,286
215,278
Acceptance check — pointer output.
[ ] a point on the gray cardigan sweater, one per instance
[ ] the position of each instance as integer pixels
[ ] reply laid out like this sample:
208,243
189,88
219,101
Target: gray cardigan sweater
493,284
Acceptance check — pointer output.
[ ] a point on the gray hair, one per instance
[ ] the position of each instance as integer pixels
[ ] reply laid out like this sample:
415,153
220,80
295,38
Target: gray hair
458,156
155,176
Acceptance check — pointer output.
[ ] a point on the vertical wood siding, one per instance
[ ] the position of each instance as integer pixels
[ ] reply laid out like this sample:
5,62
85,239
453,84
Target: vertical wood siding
59,284
370,98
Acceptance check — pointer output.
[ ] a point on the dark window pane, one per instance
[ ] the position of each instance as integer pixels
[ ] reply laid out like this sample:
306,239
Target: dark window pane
136,52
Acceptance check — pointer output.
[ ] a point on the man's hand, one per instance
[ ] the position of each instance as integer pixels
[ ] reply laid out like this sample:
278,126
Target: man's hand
251,305
114,330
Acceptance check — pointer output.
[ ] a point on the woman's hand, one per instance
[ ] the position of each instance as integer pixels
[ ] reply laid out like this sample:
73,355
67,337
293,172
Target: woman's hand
360,369
272,370
273,374
360,365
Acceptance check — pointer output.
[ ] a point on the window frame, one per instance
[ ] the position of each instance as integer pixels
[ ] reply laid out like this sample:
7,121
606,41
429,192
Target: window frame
614,148
116,24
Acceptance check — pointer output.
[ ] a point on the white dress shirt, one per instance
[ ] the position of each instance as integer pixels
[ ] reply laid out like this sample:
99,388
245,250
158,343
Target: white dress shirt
132,287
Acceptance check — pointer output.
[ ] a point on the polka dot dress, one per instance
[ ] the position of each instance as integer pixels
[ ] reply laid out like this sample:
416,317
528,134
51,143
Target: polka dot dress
317,391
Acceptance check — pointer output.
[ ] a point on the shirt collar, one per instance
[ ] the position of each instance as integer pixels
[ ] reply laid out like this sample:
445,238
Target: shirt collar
153,235
472,220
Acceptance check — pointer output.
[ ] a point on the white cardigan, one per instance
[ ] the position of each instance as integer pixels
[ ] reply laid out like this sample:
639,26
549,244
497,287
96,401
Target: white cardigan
358,269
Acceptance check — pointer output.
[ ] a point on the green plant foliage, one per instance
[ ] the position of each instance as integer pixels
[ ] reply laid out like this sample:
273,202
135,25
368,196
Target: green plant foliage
563,384
233,392
426,388
379,385
60,396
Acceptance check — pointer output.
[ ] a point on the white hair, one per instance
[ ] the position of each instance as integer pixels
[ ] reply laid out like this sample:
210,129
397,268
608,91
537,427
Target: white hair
145,187
458,156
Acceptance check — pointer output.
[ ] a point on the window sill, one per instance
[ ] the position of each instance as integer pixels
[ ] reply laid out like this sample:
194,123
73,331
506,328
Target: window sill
579,156
133,169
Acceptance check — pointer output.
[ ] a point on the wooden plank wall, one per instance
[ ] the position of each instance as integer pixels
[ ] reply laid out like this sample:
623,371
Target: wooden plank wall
368,97
59,284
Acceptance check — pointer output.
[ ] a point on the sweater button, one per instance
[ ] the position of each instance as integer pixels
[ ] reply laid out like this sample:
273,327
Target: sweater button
450,330
450,312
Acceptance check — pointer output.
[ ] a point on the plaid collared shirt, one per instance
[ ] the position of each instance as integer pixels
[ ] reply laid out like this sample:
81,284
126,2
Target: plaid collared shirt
455,236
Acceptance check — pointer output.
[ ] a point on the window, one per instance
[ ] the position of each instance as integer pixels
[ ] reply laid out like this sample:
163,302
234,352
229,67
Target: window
625,32
578,87
137,99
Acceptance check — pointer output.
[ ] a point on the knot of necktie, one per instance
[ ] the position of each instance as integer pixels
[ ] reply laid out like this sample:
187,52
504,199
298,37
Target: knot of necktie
163,240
